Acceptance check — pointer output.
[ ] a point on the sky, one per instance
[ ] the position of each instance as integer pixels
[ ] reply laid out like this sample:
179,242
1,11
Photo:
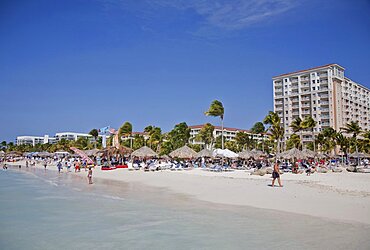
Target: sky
74,65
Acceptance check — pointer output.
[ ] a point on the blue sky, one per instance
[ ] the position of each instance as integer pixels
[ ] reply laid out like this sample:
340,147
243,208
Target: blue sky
74,65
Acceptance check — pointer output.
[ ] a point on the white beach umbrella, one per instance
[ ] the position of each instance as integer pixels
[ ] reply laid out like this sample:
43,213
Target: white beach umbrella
224,153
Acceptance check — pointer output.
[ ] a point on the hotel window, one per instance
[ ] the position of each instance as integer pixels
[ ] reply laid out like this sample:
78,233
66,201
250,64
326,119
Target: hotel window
313,88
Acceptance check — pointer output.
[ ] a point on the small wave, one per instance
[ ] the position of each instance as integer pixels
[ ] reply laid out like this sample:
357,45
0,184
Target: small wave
50,197
112,197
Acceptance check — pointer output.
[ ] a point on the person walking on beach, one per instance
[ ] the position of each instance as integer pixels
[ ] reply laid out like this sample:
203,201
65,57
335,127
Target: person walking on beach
26,164
89,175
59,165
276,174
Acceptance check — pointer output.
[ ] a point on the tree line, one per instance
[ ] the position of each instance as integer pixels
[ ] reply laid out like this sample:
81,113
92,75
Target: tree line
164,143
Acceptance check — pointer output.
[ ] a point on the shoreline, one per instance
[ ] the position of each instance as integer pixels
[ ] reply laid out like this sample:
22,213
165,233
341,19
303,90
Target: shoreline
342,197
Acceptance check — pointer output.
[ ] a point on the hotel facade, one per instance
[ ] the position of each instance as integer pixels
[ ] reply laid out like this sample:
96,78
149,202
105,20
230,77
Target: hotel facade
326,94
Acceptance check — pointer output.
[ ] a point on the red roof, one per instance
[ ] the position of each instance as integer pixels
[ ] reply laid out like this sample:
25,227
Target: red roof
299,71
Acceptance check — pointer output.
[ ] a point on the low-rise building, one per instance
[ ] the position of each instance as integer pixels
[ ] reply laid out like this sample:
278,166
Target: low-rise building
70,136
33,140
229,133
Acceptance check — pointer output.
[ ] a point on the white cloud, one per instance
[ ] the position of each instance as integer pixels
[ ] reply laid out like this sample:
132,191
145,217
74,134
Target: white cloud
217,18
232,14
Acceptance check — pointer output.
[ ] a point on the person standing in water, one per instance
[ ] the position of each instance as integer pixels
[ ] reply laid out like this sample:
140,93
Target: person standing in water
45,164
276,174
89,175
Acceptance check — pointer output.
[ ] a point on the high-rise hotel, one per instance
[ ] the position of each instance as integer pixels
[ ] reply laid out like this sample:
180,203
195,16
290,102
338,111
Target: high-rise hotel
324,93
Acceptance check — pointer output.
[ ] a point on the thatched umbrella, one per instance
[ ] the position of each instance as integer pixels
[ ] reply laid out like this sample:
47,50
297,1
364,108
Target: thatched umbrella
257,153
246,154
204,153
165,157
293,153
309,153
359,155
43,154
144,152
121,150
14,154
91,152
184,152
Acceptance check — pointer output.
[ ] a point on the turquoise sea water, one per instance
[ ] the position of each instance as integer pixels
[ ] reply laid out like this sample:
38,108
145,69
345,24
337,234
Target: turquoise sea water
47,210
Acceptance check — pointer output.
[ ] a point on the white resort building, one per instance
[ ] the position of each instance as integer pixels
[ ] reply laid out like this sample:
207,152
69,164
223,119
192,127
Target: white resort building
33,140
70,136
229,133
324,93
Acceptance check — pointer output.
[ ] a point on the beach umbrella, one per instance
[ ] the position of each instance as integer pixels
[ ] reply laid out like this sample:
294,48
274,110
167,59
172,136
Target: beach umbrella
43,154
165,157
204,153
224,153
14,154
309,153
144,152
246,154
359,155
2,153
91,152
184,153
321,155
257,153
293,153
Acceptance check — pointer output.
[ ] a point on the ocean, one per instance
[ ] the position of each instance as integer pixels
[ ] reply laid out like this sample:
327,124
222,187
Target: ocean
46,210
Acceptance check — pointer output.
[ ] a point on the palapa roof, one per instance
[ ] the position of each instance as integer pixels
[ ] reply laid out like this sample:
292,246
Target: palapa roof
292,153
184,152
204,153
359,155
246,154
91,152
257,153
309,153
144,152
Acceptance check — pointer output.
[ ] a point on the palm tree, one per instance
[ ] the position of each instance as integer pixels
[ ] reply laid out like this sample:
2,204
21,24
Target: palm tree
310,123
277,131
217,109
126,131
297,126
353,128
343,142
94,133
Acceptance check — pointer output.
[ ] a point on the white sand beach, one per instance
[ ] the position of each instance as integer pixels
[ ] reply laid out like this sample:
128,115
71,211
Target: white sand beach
338,196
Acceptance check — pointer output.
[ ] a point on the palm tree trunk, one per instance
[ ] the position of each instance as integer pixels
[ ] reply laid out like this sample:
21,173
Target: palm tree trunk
358,158
313,138
222,133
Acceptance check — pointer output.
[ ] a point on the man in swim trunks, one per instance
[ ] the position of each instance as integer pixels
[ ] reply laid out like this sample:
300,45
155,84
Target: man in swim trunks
276,174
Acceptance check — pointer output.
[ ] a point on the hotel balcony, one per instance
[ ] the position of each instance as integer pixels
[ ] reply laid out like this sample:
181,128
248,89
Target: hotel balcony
295,100
325,124
306,112
305,99
306,105
279,108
